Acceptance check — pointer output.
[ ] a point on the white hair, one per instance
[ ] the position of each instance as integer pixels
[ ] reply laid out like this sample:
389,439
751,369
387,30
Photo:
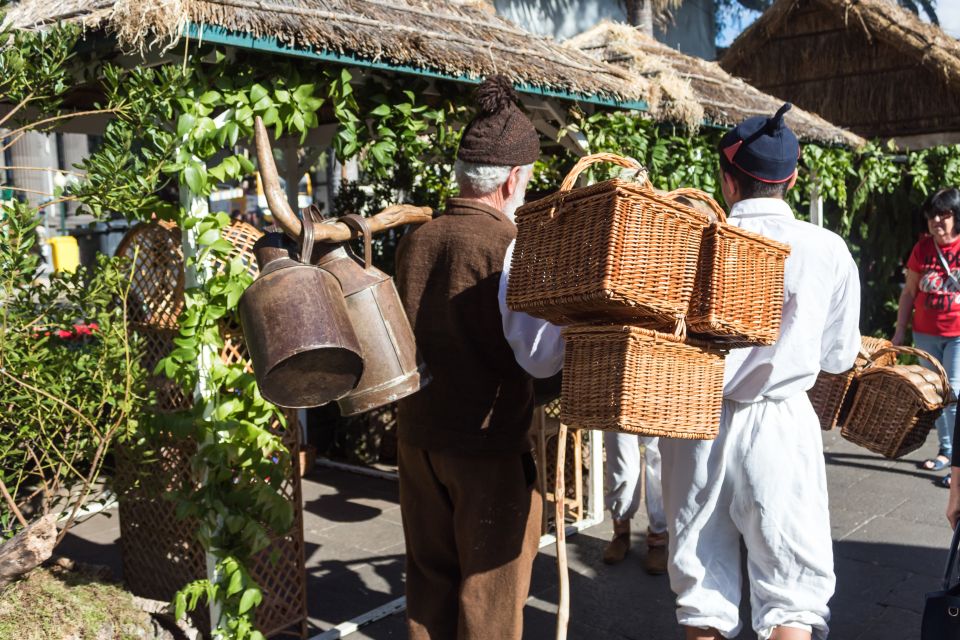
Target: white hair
481,179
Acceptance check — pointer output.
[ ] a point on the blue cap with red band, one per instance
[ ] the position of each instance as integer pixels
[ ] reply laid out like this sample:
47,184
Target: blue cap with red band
763,148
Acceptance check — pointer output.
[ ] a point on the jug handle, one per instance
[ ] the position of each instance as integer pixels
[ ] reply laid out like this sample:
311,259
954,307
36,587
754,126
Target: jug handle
306,240
359,224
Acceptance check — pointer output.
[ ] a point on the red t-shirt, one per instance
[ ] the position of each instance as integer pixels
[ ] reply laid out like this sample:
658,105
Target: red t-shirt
937,305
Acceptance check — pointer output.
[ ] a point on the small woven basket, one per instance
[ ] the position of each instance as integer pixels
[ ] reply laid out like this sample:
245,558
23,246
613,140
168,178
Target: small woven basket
828,393
894,407
614,251
636,380
738,292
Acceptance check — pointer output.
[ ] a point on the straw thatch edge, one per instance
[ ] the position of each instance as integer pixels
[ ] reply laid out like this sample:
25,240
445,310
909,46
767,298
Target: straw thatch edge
885,21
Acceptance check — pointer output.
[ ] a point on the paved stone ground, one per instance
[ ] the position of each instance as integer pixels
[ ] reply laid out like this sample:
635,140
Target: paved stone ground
888,528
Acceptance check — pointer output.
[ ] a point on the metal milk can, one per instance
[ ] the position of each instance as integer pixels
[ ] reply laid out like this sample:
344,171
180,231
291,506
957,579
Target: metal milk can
373,314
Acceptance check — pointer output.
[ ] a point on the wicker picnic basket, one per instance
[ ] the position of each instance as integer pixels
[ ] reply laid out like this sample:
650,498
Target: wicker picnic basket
830,389
894,407
638,380
738,291
613,251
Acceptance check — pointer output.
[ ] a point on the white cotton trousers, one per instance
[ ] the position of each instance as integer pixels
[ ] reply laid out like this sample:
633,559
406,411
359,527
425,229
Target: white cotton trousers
764,479
622,478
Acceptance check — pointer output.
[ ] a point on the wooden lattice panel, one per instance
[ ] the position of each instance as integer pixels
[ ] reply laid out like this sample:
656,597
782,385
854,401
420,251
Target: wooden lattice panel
545,427
242,236
160,552
156,292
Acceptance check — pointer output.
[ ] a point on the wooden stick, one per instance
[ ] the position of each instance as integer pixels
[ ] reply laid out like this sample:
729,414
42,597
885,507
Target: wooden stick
559,497
11,503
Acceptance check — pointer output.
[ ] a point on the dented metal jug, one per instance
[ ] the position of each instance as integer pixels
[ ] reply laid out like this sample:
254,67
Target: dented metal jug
304,350
380,322
374,313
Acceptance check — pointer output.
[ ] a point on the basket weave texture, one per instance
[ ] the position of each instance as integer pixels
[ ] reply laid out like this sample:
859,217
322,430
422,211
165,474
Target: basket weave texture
161,552
894,407
641,381
738,291
616,250
830,390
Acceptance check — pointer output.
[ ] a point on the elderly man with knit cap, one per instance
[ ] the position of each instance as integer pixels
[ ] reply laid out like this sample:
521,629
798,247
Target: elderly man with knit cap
468,496
763,478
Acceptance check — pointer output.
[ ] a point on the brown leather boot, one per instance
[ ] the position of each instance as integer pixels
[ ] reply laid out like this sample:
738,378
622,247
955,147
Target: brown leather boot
655,562
617,547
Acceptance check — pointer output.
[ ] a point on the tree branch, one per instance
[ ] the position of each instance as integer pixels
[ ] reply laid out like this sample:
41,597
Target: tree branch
11,503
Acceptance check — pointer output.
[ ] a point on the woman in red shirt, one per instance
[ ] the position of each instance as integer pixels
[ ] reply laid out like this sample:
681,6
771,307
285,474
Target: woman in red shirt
932,295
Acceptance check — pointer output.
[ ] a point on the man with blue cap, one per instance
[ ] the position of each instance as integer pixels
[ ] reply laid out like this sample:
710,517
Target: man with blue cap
763,478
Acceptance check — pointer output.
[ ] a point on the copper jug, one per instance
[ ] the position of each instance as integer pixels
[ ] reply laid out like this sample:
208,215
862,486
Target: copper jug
390,353
375,315
297,329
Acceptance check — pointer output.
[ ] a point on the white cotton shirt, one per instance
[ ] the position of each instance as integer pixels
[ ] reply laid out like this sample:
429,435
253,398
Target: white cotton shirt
537,344
821,308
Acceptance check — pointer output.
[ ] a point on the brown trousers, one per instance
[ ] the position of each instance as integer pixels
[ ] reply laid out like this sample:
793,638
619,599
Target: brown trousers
472,528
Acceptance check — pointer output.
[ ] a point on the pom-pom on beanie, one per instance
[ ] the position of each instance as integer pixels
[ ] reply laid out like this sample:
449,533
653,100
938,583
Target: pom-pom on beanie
763,148
500,134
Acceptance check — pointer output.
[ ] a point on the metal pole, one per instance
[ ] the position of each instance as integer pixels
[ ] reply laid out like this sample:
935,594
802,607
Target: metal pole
197,206
816,201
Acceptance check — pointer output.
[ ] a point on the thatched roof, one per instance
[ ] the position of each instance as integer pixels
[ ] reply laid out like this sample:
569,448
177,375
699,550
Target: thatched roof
461,39
868,65
688,89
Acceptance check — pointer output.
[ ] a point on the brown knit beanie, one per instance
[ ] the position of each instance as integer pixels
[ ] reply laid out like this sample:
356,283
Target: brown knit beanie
501,133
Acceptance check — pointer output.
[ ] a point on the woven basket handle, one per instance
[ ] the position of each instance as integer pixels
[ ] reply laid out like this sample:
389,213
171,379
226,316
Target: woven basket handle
948,396
597,158
702,196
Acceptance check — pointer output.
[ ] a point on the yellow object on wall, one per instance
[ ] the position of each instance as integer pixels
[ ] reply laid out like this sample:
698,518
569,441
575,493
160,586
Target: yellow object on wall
65,252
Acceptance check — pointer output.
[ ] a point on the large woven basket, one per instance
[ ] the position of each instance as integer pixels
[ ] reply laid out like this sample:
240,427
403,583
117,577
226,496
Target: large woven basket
894,407
830,389
738,292
636,380
613,251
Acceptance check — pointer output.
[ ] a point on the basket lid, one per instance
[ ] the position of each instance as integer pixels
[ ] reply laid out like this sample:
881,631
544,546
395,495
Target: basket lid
926,385
679,335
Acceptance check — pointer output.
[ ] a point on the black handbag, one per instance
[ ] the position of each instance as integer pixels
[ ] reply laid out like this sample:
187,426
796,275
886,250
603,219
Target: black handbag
941,612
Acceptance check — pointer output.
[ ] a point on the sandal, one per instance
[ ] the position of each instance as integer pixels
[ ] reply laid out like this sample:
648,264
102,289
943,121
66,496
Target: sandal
935,464
944,482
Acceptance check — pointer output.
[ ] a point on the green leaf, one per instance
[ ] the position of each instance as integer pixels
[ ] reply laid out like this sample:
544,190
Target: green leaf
245,164
210,97
263,104
185,124
219,172
271,116
235,585
304,92
257,93
195,175
296,122
250,598
209,237
382,110
179,605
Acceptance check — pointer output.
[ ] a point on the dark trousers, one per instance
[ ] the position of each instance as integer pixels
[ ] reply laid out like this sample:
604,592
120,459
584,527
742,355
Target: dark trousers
472,528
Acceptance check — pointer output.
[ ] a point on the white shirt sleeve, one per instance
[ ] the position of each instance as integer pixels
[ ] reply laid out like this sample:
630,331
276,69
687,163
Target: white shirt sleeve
841,336
537,345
